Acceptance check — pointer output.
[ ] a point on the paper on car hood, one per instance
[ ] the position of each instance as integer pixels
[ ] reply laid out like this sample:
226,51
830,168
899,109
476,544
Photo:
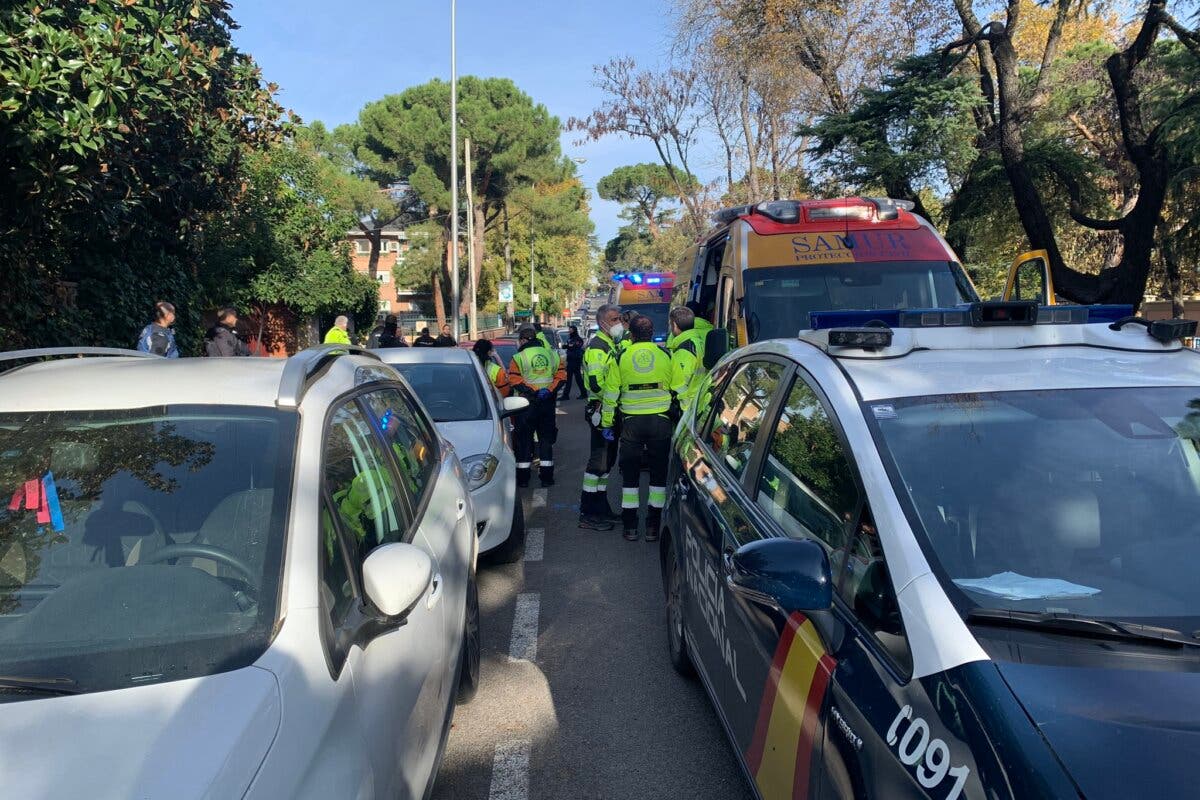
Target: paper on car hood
182,740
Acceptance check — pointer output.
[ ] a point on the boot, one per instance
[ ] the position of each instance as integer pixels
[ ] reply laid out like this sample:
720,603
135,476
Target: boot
653,523
630,535
523,477
546,475
592,523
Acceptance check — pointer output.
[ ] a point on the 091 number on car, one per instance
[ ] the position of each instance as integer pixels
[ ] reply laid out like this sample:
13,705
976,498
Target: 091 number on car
930,759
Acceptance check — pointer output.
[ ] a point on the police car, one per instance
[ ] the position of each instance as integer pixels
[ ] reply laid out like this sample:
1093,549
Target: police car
947,554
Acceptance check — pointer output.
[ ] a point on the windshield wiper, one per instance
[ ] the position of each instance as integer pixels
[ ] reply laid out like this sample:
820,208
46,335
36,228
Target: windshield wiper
38,685
1079,625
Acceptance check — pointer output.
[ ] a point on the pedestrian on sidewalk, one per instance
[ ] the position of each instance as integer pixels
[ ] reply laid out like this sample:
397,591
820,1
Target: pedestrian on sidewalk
599,358
158,337
446,339
640,387
222,340
535,373
574,364
339,333
389,337
425,339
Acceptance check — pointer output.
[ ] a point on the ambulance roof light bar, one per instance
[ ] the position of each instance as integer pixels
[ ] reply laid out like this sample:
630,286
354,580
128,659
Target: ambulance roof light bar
788,211
975,315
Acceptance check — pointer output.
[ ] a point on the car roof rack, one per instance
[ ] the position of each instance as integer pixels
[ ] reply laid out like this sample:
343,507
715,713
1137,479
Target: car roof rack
302,367
65,352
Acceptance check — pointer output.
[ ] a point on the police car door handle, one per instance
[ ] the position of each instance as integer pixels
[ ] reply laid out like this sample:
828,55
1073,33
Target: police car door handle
727,561
682,487
462,508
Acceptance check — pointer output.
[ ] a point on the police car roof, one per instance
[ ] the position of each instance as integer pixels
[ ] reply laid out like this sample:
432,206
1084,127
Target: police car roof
959,360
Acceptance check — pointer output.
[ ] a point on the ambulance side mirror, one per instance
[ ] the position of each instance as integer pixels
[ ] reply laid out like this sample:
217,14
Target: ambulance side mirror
716,345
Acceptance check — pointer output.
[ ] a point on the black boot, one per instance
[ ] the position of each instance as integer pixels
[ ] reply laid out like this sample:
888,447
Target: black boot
546,475
653,523
631,534
592,523
523,477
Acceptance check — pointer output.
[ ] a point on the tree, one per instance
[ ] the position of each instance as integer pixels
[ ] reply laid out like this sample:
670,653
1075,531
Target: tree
284,241
514,144
644,186
660,107
123,130
1148,128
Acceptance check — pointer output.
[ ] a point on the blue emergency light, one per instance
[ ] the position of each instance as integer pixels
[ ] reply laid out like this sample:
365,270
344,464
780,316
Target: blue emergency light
635,278
654,281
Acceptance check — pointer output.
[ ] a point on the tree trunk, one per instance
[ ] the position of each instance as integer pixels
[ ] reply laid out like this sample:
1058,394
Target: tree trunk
374,234
439,303
751,143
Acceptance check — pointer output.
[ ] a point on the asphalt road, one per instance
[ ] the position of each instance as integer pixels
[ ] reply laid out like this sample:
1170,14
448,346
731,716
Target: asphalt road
578,698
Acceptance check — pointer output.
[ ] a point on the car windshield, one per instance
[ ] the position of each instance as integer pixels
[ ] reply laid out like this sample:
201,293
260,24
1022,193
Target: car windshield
778,299
450,392
1075,502
657,312
140,546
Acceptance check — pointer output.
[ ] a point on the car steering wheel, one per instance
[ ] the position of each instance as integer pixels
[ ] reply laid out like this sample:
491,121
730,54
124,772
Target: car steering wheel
204,551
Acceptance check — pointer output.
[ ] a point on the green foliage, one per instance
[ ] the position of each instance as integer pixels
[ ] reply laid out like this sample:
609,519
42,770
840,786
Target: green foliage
916,128
122,129
284,243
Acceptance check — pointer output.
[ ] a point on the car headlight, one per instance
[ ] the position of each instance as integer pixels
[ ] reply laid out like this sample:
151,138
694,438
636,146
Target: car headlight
479,469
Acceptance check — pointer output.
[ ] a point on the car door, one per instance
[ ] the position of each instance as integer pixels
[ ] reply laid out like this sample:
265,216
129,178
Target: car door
431,477
397,669
801,486
719,523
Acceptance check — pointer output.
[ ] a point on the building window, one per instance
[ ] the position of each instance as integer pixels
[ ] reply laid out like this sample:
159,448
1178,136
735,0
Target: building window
362,247
383,277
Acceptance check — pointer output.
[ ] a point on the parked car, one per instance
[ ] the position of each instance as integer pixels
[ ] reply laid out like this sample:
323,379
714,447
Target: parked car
469,413
247,578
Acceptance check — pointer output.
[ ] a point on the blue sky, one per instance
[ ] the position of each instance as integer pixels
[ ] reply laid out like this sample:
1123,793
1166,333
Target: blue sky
329,59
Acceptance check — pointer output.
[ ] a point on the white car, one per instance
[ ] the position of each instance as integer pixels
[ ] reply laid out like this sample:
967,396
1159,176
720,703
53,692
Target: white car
468,411
228,578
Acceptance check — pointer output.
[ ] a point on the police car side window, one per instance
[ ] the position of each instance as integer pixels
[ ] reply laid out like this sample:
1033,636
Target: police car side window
866,586
740,410
807,485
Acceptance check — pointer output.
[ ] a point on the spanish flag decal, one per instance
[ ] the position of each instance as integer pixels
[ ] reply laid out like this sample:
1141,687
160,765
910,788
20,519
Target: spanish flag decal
780,756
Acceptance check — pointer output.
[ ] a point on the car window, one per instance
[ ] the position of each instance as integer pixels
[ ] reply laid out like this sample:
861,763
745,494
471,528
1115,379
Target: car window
411,437
806,484
361,484
867,589
337,589
449,392
739,412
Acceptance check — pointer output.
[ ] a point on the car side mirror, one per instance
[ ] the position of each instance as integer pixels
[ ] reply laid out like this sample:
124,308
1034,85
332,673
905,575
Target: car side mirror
792,574
513,405
716,345
395,577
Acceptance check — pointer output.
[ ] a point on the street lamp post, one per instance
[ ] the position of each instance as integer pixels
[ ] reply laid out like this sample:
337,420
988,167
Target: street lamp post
454,289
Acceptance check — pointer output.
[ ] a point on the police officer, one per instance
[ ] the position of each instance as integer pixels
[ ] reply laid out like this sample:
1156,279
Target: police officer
535,373
687,354
641,388
599,358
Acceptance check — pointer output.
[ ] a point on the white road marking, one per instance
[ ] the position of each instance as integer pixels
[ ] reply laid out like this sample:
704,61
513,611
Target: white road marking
538,499
510,771
535,540
523,646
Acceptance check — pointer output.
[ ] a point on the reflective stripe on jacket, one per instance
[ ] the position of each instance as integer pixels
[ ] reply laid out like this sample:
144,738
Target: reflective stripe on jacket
641,383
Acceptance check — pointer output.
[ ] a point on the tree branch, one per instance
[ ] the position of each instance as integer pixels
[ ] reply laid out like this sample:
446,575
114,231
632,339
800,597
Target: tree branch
1076,206
1188,38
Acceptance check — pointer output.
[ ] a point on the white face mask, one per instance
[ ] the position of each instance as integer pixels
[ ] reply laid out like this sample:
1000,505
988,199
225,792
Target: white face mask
616,331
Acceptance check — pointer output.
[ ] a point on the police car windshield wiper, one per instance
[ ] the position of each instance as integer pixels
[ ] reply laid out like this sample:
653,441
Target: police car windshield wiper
38,685
1079,625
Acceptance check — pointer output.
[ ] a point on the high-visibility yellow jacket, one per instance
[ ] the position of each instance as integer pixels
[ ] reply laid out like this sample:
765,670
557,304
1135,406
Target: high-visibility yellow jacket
687,364
337,336
499,377
535,367
598,358
641,383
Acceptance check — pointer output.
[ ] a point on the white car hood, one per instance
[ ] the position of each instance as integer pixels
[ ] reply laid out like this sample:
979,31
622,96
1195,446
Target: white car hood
197,738
470,438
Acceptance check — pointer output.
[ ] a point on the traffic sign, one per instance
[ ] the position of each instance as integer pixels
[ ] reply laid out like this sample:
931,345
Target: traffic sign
506,291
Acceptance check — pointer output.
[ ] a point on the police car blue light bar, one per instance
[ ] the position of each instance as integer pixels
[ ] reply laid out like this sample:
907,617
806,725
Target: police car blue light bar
653,281
974,315
635,278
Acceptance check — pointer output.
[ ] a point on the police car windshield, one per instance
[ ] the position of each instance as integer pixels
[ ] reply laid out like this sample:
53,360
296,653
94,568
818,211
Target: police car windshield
779,299
1082,502
450,392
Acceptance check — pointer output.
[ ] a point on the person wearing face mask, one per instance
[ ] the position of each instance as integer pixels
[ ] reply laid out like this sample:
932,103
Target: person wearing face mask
599,357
